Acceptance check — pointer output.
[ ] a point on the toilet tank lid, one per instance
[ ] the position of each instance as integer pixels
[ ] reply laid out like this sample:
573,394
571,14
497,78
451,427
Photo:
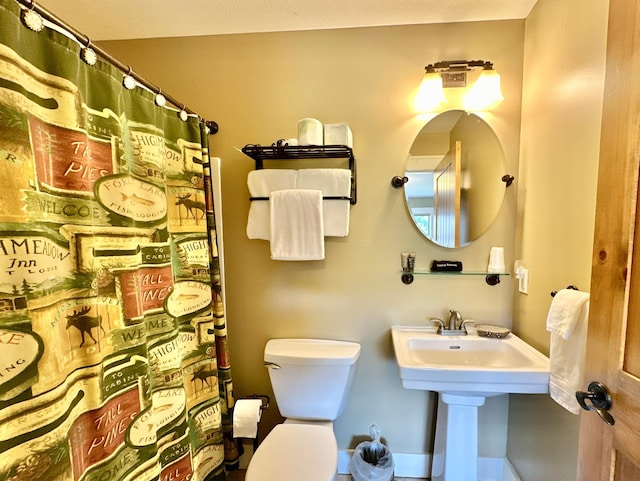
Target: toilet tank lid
311,351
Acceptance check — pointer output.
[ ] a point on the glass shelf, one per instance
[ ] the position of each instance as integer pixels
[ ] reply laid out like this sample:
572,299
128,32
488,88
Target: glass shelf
491,278
424,272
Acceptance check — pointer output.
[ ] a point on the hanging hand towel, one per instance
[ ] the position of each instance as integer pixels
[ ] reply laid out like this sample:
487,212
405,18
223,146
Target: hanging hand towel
567,322
261,183
334,183
296,225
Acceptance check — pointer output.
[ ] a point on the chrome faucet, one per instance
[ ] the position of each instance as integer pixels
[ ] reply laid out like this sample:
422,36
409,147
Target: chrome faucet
455,320
455,325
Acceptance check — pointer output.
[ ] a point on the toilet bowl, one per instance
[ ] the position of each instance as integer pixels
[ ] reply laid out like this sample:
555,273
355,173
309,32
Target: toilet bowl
295,452
311,379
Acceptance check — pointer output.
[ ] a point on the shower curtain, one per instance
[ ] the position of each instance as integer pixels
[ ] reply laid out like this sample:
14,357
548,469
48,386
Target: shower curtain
113,358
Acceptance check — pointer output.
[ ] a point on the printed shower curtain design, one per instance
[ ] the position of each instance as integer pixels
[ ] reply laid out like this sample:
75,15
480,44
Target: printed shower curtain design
113,361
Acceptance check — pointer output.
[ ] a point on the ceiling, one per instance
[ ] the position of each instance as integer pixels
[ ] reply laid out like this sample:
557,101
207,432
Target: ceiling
127,19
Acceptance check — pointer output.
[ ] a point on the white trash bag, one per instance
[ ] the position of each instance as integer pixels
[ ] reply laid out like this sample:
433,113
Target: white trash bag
372,460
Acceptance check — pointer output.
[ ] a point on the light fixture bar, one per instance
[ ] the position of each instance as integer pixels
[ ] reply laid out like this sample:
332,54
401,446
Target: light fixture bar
485,93
454,79
460,65
454,72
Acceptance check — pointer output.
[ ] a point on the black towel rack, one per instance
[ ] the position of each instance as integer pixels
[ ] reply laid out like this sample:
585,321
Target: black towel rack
574,288
260,153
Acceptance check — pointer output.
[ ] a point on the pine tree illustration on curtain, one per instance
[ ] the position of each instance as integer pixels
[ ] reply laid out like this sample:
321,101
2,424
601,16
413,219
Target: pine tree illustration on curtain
113,358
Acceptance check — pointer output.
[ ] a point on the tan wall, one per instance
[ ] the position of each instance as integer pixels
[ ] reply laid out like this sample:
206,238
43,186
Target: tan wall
561,113
257,87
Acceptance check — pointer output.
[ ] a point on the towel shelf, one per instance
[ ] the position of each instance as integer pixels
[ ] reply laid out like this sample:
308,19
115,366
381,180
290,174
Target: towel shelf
260,153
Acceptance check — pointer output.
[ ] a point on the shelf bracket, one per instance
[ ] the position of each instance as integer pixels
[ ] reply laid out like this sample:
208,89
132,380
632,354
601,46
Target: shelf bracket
407,278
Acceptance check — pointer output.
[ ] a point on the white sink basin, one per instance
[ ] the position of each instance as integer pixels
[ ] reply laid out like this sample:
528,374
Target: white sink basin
468,364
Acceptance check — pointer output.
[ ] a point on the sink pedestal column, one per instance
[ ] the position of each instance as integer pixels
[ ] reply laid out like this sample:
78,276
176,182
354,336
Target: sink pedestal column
456,445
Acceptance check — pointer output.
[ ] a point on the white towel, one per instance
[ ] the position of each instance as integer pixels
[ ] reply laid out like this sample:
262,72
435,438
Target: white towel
296,225
261,183
334,183
567,322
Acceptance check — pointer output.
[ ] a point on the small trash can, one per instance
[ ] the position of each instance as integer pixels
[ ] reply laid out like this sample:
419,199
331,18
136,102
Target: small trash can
372,460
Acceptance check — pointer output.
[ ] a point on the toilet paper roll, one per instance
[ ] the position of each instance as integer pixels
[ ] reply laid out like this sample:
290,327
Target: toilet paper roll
246,415
496,260
310,132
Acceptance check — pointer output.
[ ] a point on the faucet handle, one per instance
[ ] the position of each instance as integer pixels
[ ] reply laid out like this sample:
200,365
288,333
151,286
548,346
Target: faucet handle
437,322
463,326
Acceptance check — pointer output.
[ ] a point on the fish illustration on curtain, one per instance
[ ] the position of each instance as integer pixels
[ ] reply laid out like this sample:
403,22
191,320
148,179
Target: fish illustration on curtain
113,357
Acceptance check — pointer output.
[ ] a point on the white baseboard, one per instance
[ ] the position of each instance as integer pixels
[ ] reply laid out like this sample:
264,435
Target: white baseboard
509,473
418,465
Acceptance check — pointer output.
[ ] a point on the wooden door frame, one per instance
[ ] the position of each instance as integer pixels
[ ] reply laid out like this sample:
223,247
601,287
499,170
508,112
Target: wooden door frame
616,205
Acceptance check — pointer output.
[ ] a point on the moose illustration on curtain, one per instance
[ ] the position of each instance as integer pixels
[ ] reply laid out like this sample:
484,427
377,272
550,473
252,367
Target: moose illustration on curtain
113,358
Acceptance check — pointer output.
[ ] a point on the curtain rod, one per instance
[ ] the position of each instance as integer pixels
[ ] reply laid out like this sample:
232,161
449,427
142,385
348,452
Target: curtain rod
86,42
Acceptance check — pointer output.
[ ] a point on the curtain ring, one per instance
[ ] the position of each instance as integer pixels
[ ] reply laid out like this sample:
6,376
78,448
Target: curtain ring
184,116
88,55
160,99
128,81
32,19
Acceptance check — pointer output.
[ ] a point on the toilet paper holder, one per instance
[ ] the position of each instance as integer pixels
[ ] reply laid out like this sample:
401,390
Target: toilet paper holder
266,400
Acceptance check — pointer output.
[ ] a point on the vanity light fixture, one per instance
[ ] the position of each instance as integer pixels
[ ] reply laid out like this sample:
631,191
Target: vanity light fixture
431,94
485,92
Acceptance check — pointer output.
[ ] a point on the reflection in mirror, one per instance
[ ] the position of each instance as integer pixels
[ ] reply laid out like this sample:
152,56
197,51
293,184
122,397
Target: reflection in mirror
455,166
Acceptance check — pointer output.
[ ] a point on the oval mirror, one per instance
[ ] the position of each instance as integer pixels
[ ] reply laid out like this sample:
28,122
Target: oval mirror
455,189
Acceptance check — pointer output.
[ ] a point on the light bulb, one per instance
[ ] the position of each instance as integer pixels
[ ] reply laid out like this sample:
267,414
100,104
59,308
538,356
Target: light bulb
430,94
485,93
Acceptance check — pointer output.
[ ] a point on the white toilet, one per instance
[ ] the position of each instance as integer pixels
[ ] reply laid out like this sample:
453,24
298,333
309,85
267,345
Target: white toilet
311,379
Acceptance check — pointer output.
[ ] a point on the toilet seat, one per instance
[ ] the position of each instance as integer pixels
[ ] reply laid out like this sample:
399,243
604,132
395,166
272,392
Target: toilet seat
295,452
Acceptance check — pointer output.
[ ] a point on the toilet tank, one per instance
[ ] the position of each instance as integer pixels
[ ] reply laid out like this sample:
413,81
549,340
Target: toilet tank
311,378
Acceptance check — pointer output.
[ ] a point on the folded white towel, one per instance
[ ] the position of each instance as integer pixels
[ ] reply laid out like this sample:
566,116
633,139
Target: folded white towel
334,183
567,321
296,225
565,310
261,183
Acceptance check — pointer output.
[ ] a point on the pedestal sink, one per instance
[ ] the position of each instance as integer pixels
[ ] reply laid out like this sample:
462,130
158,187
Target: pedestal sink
465,370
